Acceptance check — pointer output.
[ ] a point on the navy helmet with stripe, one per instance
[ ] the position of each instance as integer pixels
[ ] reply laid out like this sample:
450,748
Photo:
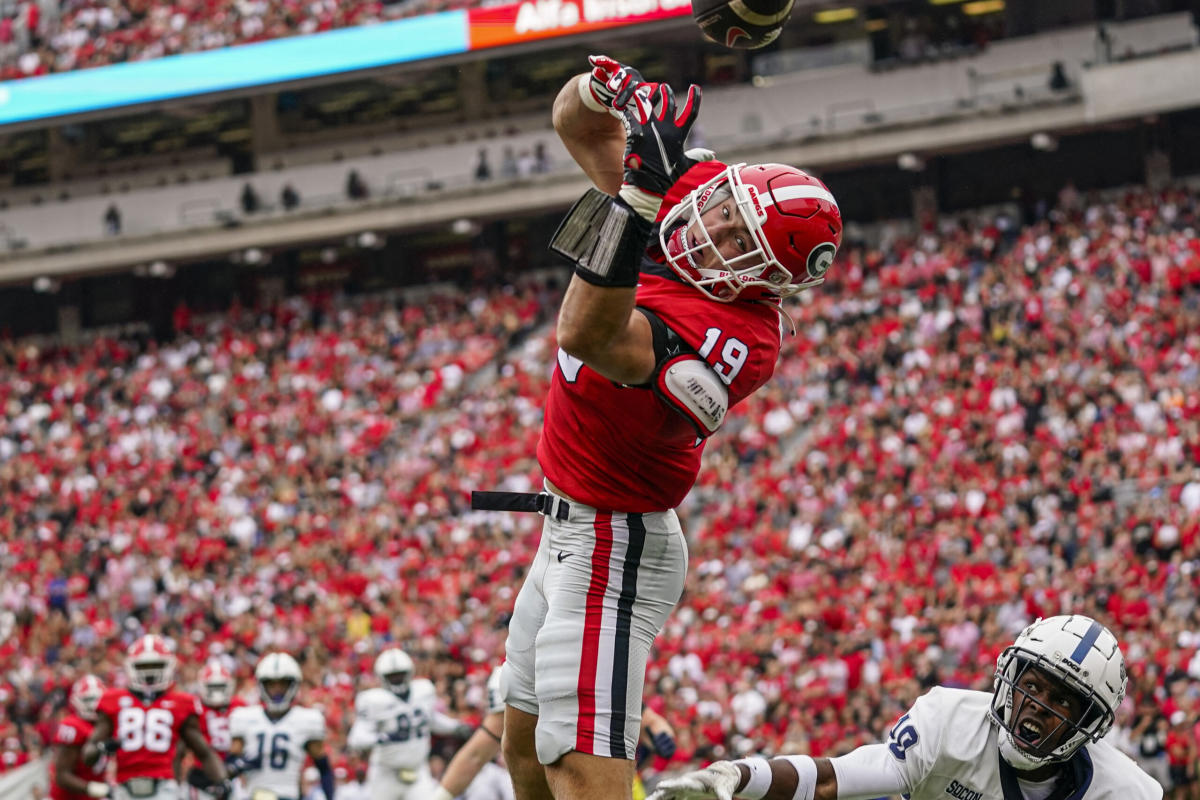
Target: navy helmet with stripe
1083,659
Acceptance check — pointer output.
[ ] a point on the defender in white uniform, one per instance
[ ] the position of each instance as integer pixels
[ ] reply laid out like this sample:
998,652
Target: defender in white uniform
395,723
1036,737
272,741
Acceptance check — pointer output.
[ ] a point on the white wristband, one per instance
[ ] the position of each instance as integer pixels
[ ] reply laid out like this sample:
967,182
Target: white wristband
442,793
589,100
760,778
806,770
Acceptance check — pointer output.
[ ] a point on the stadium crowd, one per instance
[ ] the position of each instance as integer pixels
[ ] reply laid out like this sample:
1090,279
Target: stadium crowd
990,421
39,38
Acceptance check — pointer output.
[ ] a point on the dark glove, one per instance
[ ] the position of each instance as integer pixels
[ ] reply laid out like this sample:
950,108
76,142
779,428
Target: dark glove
664,743
655,132
236,765
221,790
610,85
110,746
463,731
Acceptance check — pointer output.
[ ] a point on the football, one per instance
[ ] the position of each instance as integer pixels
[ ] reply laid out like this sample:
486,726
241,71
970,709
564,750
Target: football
741,24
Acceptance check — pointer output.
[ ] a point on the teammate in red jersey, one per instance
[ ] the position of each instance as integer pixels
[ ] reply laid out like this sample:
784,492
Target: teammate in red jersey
141,727
216,689
672,317
74,780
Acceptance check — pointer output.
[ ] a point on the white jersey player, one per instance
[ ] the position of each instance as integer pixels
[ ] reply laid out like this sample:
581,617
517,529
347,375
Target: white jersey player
271,742
1036,737
395,723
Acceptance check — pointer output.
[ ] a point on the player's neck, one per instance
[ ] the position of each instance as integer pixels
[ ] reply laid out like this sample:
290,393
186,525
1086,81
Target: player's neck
1041,774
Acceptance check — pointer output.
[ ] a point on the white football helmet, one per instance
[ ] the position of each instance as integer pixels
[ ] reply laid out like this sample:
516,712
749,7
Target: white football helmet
278,667
150,665
395,669
216,685
85,696
1084,658
795,229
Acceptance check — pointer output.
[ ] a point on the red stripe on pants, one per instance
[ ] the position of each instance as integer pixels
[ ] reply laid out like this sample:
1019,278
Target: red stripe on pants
585,732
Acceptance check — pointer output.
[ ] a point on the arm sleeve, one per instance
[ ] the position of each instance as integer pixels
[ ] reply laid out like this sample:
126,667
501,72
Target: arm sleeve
442,724
316,727
362,735
868,772
237,724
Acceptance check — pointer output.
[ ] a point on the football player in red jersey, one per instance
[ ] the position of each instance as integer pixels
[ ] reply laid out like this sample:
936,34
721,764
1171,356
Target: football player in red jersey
141,727
216,688
73,779
672,317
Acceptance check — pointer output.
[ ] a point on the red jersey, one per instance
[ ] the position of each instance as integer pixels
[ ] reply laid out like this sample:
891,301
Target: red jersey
73,731
215,724
149,732
620,448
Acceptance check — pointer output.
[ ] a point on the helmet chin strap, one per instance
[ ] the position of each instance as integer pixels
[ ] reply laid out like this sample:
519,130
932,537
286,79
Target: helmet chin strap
1017,758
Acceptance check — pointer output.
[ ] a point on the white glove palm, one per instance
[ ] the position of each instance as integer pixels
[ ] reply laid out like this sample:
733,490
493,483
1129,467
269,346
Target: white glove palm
718,780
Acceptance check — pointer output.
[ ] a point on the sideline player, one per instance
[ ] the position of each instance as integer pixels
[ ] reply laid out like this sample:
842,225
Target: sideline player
395,722
269,743
148,720
672,317
1037,736
73,779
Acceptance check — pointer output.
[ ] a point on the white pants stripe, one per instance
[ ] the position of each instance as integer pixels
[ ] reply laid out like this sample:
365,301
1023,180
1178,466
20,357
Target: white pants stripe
600,589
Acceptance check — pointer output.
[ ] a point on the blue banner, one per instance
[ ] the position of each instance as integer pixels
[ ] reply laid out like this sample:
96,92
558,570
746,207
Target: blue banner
256,64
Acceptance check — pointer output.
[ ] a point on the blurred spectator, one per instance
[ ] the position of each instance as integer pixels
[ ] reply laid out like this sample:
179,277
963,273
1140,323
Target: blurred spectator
112,220
249,199
1058,77
526,163
508,163
356,187
289,198
483,170
541,158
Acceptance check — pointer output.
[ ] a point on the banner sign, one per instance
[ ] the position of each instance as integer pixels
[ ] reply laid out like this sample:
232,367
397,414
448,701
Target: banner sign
531,20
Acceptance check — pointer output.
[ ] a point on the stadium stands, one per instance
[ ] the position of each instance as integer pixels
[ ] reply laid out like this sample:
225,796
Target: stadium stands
990,421
835,101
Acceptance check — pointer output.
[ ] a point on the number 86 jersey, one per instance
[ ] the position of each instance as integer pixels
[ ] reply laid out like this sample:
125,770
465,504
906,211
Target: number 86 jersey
148,732
276,747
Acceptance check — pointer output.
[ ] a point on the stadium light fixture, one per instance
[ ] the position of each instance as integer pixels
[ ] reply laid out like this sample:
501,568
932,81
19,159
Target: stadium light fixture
1044,142
44,285
981,7
828,16
944,2
910,162
161,269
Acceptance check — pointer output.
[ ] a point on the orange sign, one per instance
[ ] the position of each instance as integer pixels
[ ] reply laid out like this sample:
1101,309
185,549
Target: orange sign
529,20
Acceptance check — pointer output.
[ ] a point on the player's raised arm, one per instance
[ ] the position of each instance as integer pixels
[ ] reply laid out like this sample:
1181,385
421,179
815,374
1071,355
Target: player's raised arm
592,134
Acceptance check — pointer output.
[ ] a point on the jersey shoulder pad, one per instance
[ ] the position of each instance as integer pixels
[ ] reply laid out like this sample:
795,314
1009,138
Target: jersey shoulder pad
311,723
244,716
1116,775
370,700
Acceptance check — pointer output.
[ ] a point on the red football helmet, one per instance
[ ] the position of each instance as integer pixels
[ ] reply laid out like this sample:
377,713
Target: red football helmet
793,220
150,665
85,696
216,685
